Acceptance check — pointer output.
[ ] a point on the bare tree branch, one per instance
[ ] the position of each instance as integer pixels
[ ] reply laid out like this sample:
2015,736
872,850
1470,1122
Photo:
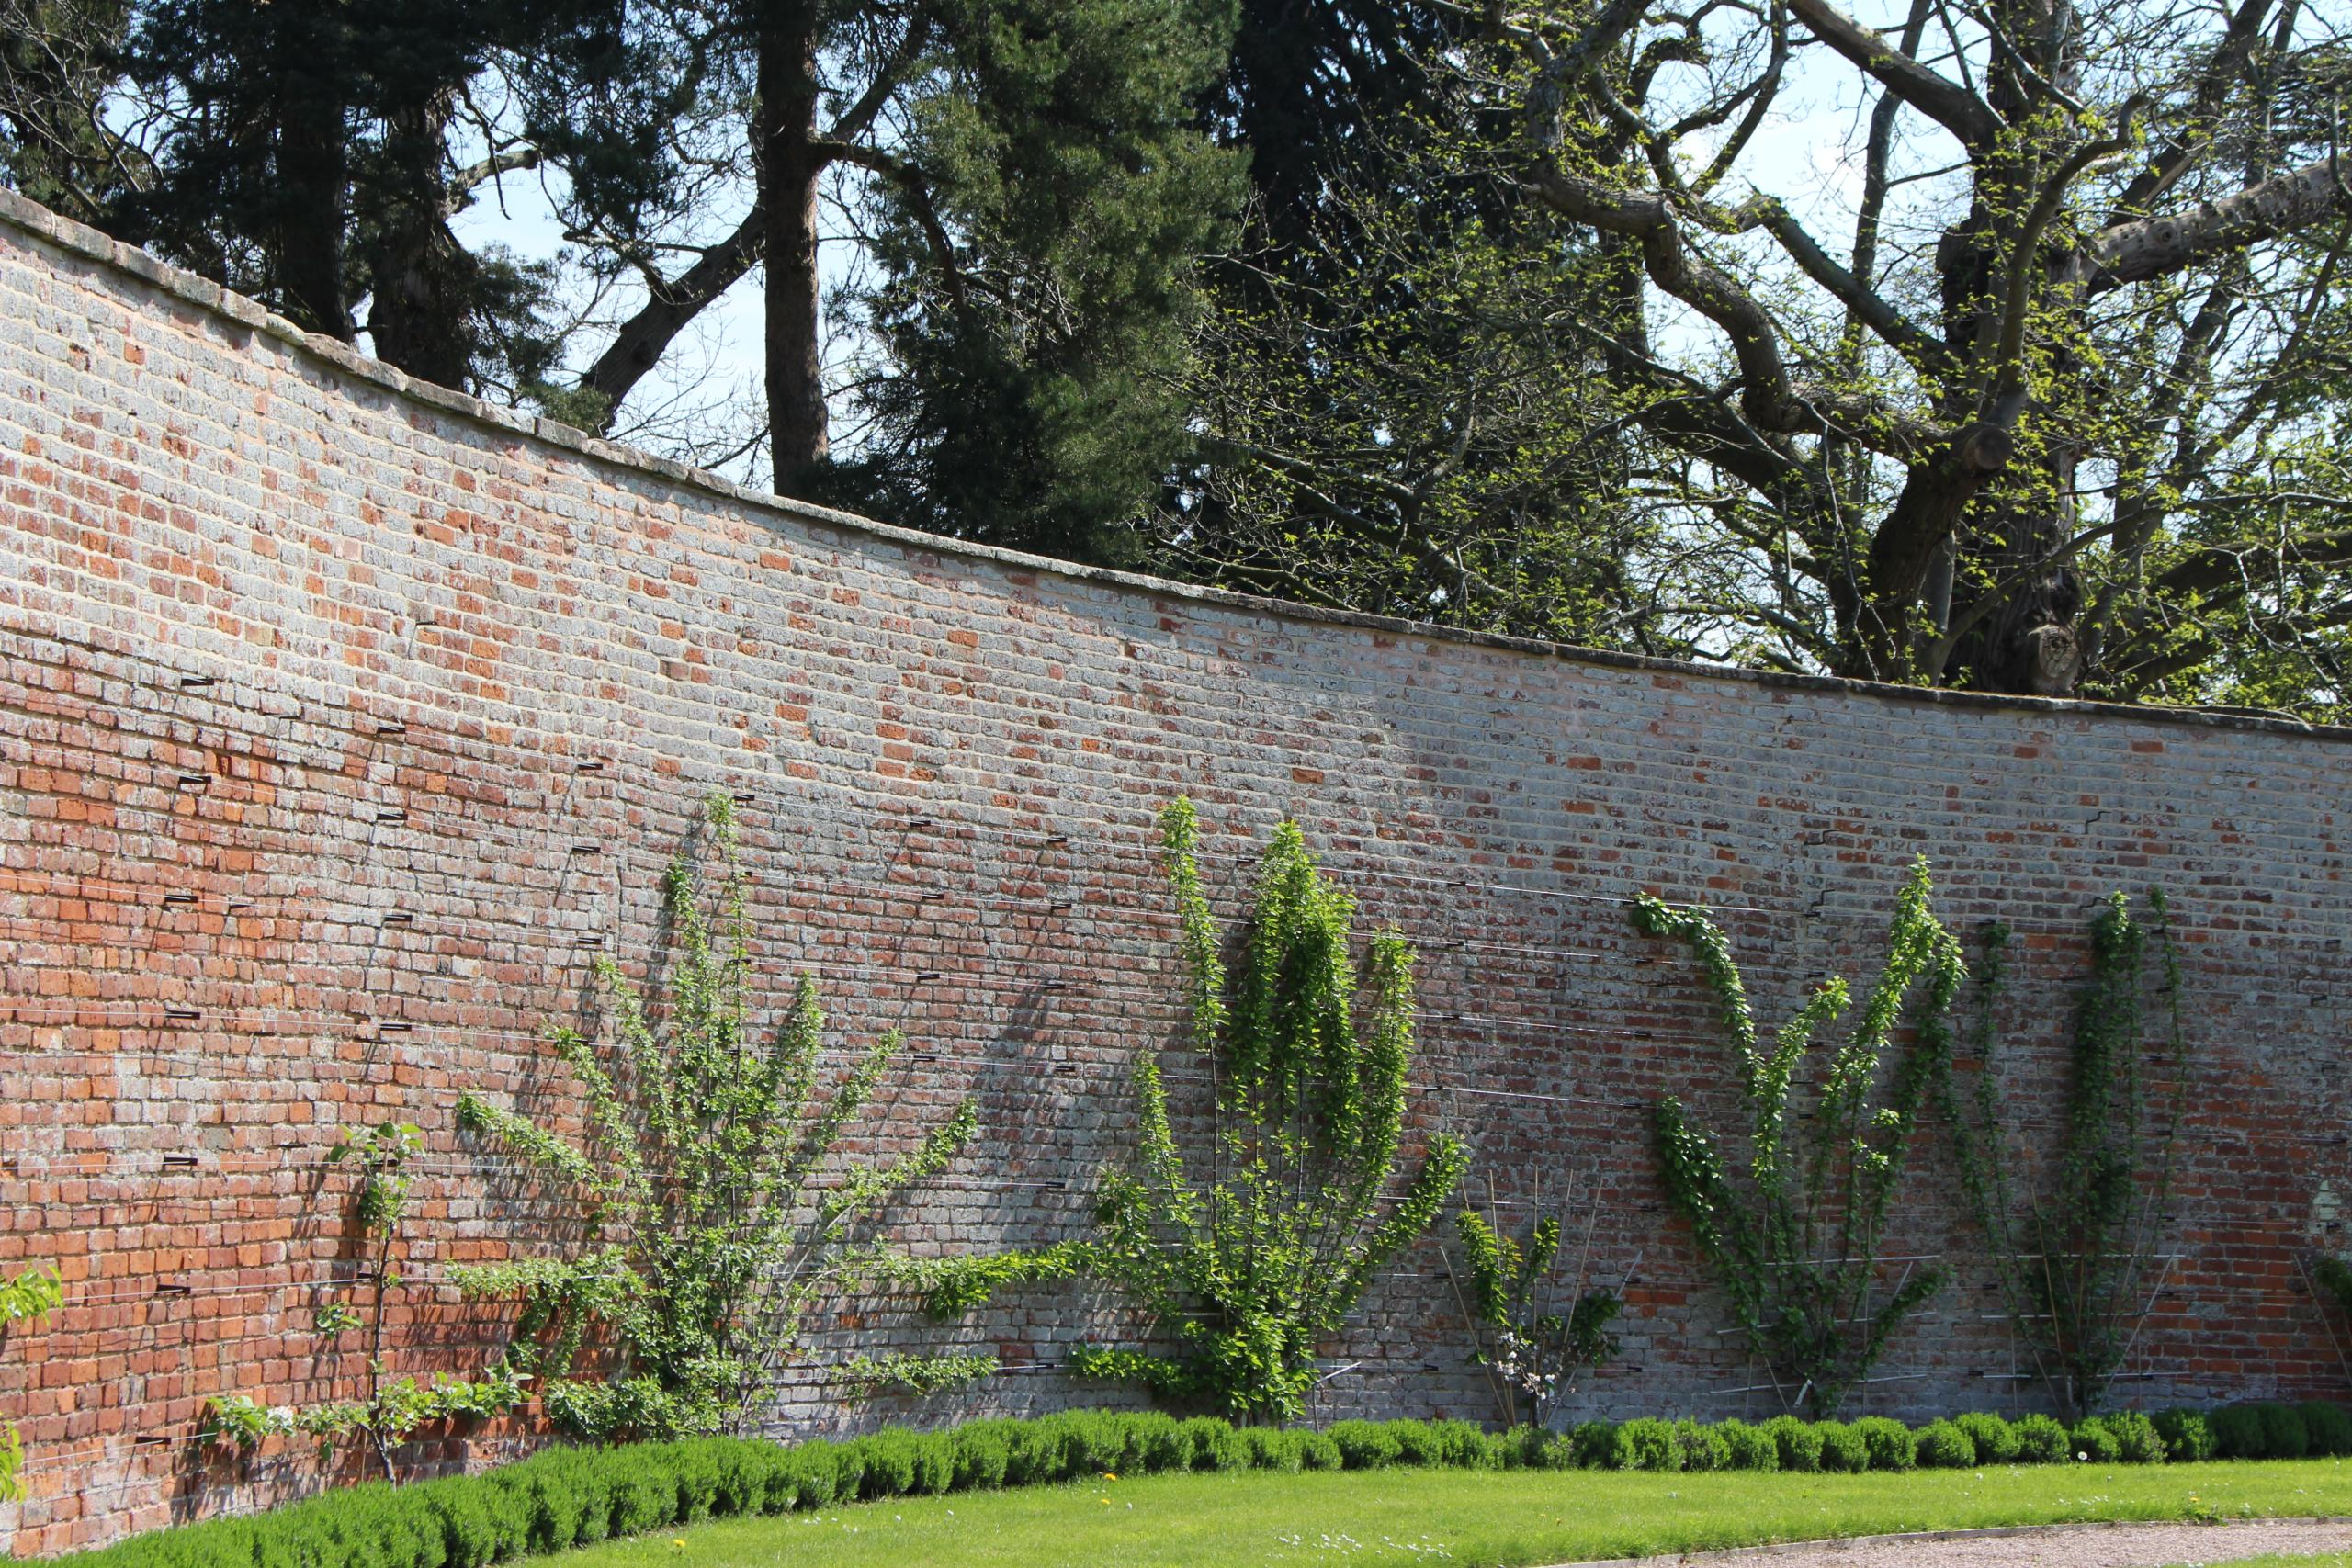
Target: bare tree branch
2152,247
643,338
1949,105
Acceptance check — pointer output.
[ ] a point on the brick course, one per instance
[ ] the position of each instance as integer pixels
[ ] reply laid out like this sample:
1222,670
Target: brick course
341,716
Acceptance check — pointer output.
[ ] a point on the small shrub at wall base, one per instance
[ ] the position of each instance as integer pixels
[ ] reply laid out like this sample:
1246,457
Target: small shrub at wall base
2327,1428
1799,1443
1996,1441
1943,1446
2188,1436
1748,1447
1646,1444
1842,1448
2041,1440
571,1496
2093,1440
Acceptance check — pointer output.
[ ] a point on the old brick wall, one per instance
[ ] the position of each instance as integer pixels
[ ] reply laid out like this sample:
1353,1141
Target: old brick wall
343,721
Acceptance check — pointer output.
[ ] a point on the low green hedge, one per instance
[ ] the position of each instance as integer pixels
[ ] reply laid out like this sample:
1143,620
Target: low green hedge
570,1497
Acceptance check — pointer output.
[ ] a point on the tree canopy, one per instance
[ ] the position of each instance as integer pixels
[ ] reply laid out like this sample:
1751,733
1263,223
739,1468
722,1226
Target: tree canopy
1988,343
2053,409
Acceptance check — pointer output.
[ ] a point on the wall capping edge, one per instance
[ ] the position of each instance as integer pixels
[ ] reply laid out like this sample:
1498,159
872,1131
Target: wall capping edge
30,219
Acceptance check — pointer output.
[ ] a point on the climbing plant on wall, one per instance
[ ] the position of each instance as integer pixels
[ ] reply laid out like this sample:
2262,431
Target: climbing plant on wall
713,1203
1260,1241
2334,1278
388,1410
26,1297
1793,1236
1538,1326
2074,1257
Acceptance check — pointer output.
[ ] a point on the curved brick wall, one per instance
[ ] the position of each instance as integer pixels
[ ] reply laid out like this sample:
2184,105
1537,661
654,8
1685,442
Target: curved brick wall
340,717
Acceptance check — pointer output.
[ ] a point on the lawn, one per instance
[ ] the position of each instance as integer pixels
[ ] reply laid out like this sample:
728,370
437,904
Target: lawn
1506,1517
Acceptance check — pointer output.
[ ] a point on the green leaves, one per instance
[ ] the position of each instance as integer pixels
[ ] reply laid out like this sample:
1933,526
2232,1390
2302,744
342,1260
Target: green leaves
2071,1260
26,1297
2336,1278
382,1153
1270,1253
1031,397
949,1287
1532,1354
1794,1245
31,1296
703,1138
899,1372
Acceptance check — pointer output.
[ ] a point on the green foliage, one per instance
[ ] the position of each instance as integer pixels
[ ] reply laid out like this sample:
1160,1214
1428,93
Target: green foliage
1318,1451
1645,1443
383,1152
2093,1441
2073,1259
234,1418
950,1287
2334,1278
1591,1444
1843,1449
2041,1440
1274,1448
56,58
1795,1244
982,1458
2137,1438
2328,1428
1890,1444
1034,397
314,157
705,1242
1364,1445
1401,414
898,1372
1943,1446
1799,1441
2125,1437
2188,1436
1995,1439
2238,1432
1748,1447
1532,1351
388,1410
1701,1447
570,1497
1217,1446
1269,1254
2207,563
2285,1433
1466,1446
28,1296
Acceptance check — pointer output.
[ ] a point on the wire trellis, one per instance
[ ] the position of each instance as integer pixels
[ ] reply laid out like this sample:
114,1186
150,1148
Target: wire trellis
929,887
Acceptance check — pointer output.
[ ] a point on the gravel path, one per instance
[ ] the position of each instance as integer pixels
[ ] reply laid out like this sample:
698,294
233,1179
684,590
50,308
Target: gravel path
2053,1546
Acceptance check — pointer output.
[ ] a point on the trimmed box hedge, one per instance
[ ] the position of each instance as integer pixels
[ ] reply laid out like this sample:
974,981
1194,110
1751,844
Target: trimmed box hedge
571,1496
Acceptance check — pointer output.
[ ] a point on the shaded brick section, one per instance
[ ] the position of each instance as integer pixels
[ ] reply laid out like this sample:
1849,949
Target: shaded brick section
342,722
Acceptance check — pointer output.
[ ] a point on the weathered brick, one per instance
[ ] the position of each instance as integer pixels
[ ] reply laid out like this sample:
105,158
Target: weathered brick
342,720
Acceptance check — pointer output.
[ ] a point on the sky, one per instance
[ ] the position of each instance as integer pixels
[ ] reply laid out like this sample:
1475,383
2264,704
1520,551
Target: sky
1808,154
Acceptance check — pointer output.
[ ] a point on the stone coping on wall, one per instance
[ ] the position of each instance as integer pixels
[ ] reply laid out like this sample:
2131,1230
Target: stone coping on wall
29,217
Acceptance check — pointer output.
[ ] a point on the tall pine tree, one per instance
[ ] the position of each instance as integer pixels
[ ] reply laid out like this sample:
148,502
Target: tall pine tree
1030,391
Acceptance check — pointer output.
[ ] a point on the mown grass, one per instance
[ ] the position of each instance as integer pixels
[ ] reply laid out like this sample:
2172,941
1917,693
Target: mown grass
1504,1520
